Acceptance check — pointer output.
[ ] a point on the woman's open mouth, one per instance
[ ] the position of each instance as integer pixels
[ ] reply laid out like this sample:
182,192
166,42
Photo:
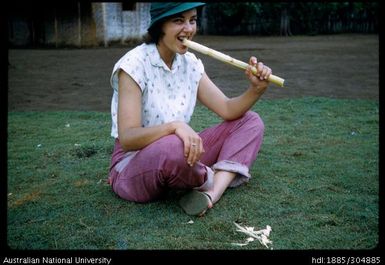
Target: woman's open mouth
181,38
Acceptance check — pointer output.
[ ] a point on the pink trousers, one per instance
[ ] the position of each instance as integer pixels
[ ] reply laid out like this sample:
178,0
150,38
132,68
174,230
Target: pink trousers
230,146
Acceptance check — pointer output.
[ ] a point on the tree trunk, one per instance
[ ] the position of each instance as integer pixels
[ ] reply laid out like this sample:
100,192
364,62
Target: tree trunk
79,26
56,28
105,29
204,23
285,23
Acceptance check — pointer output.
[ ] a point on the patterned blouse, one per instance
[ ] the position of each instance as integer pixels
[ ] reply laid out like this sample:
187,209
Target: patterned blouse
167,94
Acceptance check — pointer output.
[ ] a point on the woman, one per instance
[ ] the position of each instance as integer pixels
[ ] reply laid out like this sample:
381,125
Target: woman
156,86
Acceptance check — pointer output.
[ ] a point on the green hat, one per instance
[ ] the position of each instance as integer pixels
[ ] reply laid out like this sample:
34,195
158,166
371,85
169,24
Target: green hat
165,9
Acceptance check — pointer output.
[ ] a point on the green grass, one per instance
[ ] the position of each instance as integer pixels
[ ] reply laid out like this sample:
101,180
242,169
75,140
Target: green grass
315,182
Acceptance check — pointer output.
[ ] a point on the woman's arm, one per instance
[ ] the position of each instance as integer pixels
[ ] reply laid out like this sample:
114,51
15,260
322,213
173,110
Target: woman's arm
232,108
131,134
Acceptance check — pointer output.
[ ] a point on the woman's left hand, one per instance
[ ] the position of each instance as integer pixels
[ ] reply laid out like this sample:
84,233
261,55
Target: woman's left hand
260,80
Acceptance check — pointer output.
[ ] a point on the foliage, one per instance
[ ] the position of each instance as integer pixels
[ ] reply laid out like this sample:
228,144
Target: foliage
223,15
264,18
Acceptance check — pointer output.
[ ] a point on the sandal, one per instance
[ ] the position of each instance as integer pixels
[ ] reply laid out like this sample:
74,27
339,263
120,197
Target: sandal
195,203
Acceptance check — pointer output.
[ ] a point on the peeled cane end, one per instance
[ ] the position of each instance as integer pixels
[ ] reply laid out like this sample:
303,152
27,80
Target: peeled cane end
272,78
276,80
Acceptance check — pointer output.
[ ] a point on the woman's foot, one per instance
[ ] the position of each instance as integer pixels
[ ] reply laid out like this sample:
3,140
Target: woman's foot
196,203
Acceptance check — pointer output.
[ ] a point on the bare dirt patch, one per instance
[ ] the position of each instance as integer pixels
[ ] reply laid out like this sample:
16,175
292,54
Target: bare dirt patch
335,66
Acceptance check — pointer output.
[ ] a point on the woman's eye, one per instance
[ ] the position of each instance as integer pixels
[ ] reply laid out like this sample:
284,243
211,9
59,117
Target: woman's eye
178,21
181,21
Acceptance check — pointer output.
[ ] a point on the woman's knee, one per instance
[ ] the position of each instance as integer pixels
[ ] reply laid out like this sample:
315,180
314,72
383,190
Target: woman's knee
254,120
170,148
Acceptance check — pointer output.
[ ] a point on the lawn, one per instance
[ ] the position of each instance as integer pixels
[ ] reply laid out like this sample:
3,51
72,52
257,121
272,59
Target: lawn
315,182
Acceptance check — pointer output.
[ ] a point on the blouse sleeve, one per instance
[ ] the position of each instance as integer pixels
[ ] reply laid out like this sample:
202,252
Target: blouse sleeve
201,68
198,68
133,67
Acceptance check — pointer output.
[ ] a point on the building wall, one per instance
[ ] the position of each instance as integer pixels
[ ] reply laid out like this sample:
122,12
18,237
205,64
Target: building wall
114,24
66,30
108,20
135,23
18,31
78,24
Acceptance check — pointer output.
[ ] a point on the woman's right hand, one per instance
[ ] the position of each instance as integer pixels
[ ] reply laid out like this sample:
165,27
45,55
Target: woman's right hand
193,146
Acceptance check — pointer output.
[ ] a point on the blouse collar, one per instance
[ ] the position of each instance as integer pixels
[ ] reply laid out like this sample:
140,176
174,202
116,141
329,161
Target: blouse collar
156,60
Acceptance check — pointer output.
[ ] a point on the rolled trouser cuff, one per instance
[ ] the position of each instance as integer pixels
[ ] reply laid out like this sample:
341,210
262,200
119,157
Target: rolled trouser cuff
242,171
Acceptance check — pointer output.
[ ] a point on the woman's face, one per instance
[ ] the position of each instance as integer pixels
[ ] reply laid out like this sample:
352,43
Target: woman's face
176,28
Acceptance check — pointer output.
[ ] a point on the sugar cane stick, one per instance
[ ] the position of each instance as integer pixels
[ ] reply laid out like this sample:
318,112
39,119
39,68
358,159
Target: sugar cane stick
227,59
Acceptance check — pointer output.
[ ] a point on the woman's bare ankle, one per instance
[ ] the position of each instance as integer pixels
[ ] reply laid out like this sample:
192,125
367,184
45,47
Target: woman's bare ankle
214,197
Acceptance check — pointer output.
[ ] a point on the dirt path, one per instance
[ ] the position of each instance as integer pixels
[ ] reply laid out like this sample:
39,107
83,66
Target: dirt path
337,66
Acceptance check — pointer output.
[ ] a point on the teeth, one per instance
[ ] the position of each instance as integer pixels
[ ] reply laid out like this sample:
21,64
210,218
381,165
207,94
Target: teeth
182,38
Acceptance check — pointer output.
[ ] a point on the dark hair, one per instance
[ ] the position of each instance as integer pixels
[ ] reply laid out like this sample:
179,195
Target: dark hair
155,32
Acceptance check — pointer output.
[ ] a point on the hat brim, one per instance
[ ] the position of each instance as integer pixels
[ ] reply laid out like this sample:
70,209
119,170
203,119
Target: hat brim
178,9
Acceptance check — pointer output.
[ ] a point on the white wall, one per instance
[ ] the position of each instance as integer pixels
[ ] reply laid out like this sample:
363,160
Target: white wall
135,23
113,24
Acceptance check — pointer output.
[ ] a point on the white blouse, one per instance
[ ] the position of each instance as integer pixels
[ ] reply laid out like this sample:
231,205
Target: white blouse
167,95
